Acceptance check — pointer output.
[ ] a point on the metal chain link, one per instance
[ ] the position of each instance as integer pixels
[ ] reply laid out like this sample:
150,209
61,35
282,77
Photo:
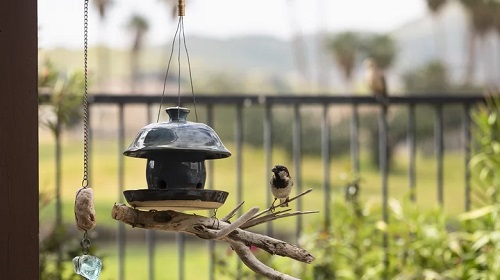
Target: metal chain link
85,181
85,244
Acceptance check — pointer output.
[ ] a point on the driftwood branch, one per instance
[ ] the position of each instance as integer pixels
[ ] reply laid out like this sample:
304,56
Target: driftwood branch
233,233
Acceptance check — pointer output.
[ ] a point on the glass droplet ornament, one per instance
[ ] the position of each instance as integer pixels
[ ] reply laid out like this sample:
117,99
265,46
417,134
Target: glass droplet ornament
87,266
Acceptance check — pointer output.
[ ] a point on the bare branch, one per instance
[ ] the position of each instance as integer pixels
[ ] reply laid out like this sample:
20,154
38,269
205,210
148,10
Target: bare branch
206,228
270,209
231,214
232,227
234,234
248,258
274,216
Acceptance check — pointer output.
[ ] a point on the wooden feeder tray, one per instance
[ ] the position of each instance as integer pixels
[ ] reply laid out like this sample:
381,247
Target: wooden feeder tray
175,199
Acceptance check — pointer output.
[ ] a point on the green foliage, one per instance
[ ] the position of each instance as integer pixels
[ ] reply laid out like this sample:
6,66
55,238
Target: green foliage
428,79
485,164
381,48
344,47
421,244
65,99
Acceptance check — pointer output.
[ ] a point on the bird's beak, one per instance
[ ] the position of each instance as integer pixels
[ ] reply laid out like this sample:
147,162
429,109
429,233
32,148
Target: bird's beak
274,170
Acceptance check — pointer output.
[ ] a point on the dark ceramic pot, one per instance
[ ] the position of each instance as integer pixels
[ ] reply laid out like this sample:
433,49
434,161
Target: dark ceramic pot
176,151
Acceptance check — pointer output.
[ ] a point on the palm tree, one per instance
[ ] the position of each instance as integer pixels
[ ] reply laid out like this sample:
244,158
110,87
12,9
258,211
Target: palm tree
172,7
496,26
482,18
139,26
435,7
298,45
381,48
103,57
344,47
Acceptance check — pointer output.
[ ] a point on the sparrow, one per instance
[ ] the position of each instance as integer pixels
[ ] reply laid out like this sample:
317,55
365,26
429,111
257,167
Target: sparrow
375,80
281,184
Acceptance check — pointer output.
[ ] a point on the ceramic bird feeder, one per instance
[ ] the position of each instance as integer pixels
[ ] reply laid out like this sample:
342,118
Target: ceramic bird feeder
175,170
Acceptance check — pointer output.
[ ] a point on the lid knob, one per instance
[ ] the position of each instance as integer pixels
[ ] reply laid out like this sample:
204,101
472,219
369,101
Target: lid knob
177,114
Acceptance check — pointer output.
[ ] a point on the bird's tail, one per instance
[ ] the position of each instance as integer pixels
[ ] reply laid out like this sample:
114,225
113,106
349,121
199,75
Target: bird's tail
283,201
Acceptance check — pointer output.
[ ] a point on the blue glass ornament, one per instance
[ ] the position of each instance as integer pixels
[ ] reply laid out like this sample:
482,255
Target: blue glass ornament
87,266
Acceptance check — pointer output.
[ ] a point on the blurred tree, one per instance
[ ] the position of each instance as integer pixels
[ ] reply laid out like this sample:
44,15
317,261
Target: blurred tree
65,101
428,79
139,26
435,7
103,52
298,44
482,17
496,26
171,7
344,47
381,48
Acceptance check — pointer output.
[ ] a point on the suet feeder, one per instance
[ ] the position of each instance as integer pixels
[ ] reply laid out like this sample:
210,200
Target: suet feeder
175,170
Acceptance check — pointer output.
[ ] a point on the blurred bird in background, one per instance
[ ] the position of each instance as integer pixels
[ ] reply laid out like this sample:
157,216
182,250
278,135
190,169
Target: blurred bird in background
281,184
351,190
375,80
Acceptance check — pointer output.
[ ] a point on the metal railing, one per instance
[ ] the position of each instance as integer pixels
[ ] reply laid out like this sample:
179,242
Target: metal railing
268,103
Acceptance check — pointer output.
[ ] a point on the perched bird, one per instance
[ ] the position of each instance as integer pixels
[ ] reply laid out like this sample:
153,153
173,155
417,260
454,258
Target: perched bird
375,80
352,191
281,184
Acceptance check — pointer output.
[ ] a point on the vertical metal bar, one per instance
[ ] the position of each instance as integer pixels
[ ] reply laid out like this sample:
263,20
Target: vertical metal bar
150,234
121,226
268,153
438,137
210,173
412,150
297,144
238,138
325,155
355,140
383,130
181,249
467,153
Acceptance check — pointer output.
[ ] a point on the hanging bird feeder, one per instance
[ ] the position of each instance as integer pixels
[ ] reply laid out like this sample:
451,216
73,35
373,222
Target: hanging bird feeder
176,152
175,170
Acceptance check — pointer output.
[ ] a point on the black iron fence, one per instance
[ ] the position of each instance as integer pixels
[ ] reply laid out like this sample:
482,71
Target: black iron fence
325,103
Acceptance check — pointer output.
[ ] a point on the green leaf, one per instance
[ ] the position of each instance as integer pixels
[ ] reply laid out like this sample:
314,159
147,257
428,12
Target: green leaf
483,240
478,213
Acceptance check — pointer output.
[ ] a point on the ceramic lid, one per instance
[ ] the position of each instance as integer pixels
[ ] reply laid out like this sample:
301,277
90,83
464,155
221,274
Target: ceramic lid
177,136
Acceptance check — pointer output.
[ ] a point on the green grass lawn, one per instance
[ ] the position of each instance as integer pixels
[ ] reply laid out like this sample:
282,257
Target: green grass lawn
104,175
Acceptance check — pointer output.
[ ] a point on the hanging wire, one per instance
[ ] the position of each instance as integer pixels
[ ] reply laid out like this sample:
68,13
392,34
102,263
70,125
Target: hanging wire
180,27
179,72
85,181
168,68
189,66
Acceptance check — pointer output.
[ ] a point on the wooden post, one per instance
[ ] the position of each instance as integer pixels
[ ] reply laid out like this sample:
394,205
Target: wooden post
19,139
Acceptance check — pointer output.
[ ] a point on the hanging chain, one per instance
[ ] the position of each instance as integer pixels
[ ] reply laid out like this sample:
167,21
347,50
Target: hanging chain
85,181
85,243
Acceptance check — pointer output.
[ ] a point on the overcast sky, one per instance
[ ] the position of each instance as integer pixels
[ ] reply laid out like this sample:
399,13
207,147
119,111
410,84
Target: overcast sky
61,21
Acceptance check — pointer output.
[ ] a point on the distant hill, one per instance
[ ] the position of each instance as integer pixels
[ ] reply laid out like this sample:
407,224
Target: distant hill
247,57
241,56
